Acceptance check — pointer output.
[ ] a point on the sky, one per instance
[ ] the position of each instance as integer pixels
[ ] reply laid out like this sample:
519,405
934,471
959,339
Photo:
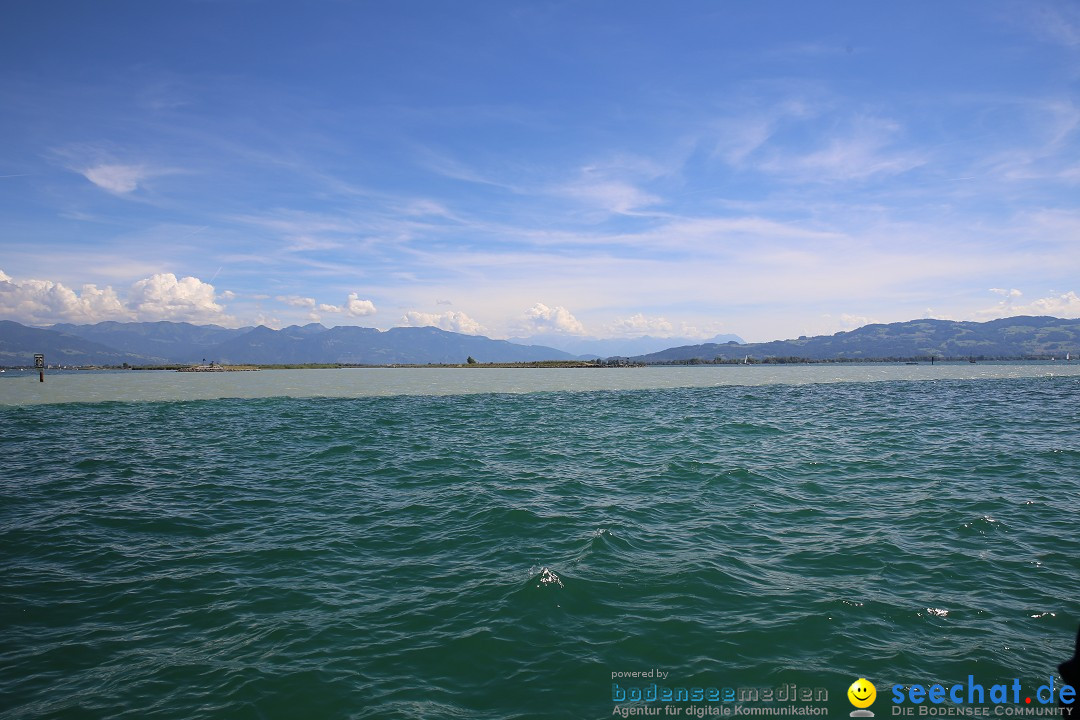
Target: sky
598,168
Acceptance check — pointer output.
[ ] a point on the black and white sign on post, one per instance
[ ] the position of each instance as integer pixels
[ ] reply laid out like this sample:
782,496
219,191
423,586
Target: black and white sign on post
39,363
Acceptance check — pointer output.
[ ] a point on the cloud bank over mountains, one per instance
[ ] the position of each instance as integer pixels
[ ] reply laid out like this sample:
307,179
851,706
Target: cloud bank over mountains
163,296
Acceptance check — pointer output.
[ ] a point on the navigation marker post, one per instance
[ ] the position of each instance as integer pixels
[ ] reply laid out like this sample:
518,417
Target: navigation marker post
39,363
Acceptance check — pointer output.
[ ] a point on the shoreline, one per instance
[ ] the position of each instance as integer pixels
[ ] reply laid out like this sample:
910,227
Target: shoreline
545,364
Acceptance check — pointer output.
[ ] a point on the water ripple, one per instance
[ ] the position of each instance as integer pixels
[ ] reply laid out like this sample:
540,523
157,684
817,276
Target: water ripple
497,556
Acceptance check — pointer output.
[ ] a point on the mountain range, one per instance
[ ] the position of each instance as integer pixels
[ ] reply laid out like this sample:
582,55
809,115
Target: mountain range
161,343
1015,337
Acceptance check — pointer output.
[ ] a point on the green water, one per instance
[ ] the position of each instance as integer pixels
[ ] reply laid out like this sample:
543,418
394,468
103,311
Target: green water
501,555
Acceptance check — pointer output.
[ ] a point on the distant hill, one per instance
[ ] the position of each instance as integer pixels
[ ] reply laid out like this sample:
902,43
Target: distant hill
19,343
166,342
1014,337
621,347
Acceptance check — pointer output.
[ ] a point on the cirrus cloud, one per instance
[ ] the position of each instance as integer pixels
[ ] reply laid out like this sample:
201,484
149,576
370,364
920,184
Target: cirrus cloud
117,179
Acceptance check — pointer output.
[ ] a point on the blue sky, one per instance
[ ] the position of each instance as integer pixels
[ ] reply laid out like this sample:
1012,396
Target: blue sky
597,169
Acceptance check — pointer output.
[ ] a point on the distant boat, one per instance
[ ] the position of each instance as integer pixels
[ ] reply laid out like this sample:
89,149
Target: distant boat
911,363
971,360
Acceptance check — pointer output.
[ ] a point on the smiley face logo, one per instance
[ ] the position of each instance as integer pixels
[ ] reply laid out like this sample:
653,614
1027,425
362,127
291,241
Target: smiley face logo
862,693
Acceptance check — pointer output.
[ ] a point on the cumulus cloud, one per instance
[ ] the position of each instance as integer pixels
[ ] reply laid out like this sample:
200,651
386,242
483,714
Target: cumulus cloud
300,302
41,302
271,321
164,297
639,324
353,306
1063,305
852,321
451,320
543,319
158,297
845,322
118,179
358,308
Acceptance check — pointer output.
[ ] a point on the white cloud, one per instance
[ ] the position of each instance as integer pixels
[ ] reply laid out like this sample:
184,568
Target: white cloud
867,147
742,136
451,320
424,206
41,302
300,302
543,319
452,168
1065,305
844,322
271,321
612,196
850,321
639,324
119,179
306,243
353,306
163,297
612,187
356,307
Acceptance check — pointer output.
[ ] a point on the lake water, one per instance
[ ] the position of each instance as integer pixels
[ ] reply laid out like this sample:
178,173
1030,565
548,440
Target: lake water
497,543
23,388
